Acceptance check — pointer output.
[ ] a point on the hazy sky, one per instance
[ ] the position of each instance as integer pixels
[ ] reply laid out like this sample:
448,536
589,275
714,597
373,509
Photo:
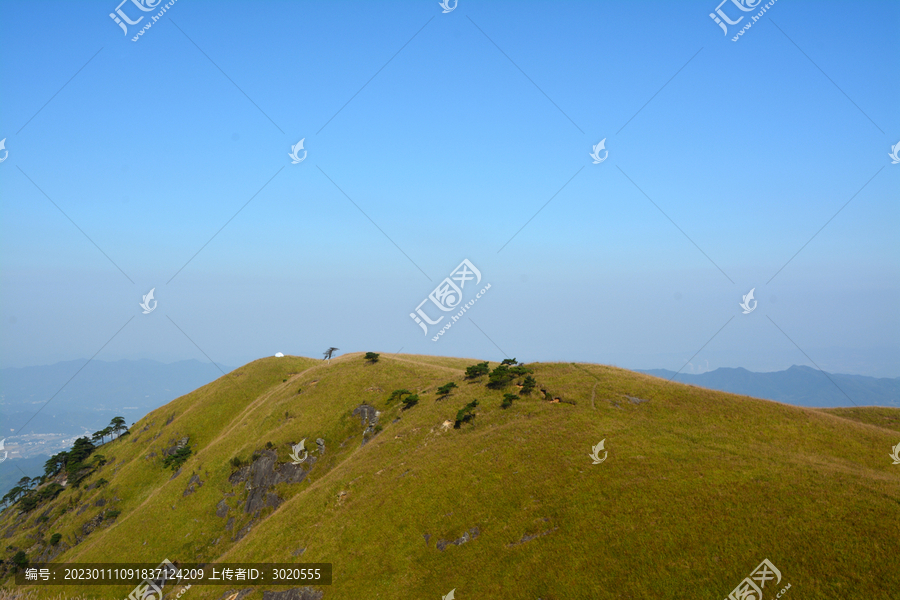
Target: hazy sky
434,138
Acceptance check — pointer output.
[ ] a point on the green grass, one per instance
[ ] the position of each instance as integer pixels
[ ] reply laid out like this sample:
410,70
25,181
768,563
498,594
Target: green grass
698,488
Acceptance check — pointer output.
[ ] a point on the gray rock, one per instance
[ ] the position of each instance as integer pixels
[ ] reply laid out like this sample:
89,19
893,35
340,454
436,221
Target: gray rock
192,482
466,536
244,531
222,508
262,475
320,443
229,595
305,593
367,414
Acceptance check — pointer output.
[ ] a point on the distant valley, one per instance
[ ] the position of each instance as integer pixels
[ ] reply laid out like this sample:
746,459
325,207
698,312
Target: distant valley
98,392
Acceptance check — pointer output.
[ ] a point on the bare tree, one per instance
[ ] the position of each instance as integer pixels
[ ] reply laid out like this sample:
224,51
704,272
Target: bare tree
329,352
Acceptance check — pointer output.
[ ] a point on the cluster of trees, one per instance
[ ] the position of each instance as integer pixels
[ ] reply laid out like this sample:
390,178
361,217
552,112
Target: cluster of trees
499,378
505,373
502,376
74,462
115,427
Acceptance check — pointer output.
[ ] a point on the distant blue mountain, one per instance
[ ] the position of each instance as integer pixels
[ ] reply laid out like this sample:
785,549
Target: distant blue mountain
799,385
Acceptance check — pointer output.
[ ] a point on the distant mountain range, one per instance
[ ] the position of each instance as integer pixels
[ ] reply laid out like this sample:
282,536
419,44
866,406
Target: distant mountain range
798,385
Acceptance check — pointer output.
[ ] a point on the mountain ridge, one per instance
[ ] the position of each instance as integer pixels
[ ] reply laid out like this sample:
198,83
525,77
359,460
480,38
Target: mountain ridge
507,505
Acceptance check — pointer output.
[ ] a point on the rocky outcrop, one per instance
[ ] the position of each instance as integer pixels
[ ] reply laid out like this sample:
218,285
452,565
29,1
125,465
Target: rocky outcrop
176,446
264,474
304,593
466,536
92,524
369,417
234,595
193,483
529,537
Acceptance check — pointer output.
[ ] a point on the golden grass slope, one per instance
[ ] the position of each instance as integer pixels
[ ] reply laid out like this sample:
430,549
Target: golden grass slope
698,487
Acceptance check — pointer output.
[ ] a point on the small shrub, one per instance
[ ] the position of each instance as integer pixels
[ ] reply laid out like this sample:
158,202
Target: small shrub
410,401
269,445
528,385
101,482
283,380
236,462
398,395
43,519
20,560
179,458
477,370
54,539
378,429
112,514
28,503
445,389
372,357
508,400
465,414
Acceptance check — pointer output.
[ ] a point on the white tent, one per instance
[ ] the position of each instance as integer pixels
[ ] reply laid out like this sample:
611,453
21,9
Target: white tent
279,355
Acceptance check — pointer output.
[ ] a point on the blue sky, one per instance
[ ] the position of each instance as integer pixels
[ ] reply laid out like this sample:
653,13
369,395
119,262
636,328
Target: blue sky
434,138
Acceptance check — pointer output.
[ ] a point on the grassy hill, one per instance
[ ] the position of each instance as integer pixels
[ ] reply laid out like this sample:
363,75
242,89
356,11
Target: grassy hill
697,489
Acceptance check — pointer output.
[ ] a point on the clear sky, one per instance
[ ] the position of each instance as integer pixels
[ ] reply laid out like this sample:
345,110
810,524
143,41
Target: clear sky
436,137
